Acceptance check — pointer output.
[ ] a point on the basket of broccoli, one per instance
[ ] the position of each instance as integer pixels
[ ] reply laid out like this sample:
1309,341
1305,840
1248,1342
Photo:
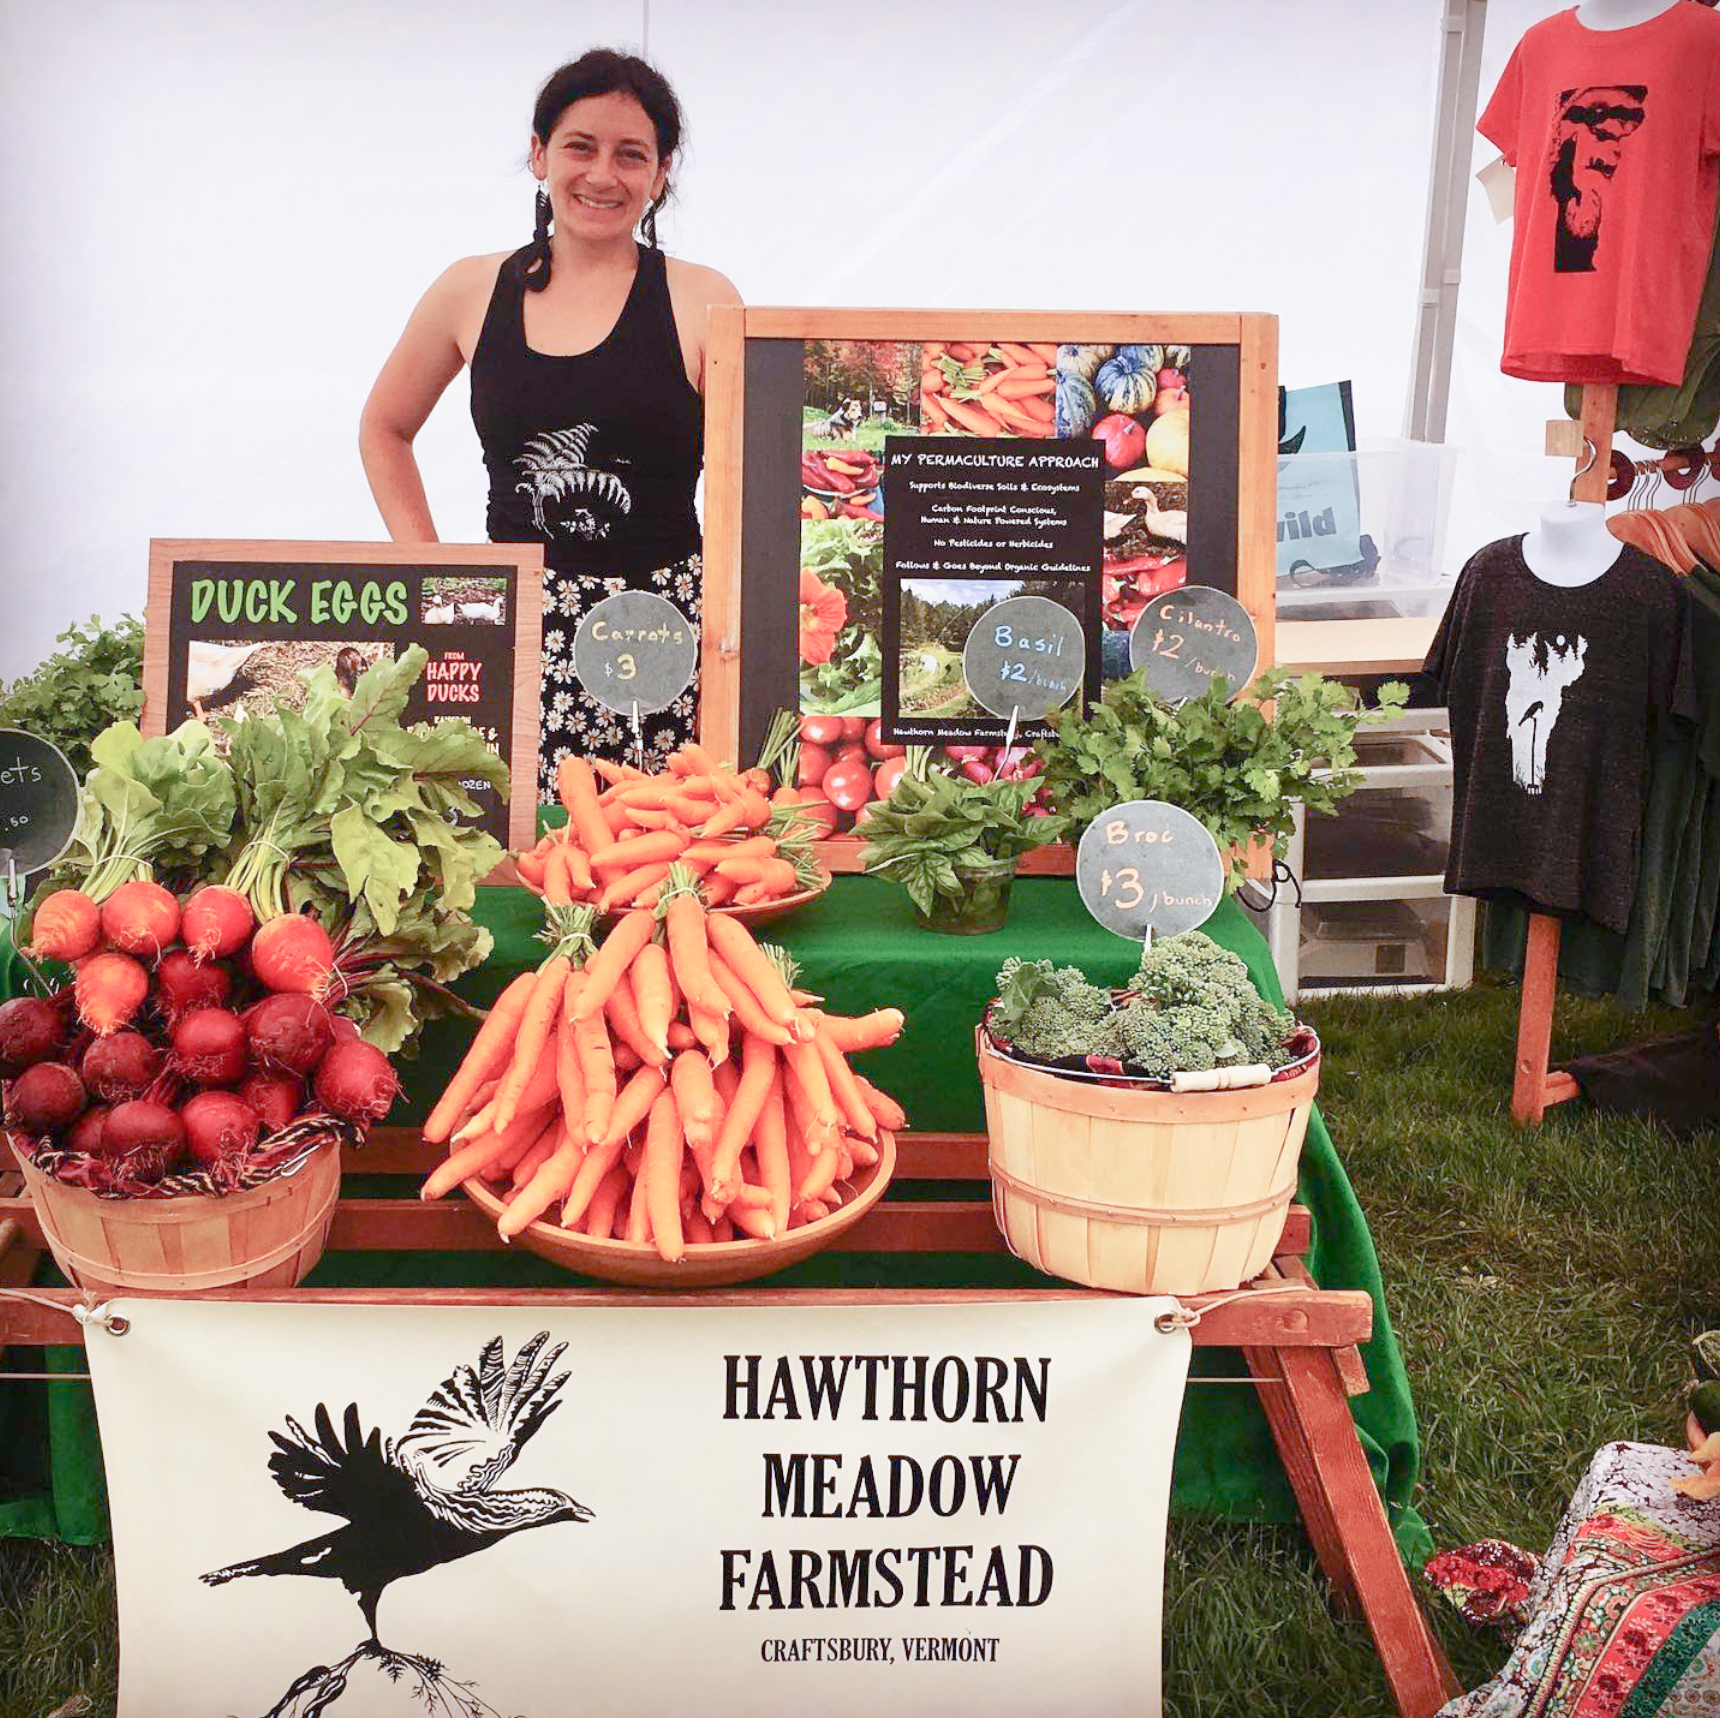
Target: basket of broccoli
1144,1139
1190,1013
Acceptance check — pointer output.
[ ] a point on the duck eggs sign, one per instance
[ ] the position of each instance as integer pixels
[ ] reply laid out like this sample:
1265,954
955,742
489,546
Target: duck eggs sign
537,1510
237,629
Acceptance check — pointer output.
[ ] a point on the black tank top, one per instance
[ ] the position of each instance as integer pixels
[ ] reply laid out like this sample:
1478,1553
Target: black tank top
594,456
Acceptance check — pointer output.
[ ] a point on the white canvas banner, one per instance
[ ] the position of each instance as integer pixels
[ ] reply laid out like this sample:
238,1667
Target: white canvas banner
365,1511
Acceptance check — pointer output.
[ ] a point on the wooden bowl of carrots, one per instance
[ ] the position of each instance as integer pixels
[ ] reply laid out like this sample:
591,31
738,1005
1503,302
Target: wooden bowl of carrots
710,1264
665,1107
721,825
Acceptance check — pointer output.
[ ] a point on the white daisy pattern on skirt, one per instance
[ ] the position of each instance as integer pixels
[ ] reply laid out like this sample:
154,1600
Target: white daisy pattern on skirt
574,724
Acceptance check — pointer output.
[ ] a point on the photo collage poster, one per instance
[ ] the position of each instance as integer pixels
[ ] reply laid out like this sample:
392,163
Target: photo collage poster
987,502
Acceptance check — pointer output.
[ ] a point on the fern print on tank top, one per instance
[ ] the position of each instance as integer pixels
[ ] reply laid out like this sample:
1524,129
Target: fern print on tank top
567,494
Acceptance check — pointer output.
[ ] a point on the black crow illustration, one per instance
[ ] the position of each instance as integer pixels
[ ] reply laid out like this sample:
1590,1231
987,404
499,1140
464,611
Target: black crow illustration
427,1499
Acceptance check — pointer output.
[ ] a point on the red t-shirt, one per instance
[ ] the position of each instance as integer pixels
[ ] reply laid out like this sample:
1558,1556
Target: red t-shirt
1615,136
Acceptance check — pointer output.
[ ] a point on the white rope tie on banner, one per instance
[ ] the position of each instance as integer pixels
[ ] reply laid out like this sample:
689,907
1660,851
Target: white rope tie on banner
1187,1317
86,1313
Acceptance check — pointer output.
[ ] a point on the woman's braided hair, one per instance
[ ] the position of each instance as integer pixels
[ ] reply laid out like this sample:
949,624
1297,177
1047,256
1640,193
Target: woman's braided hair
601,71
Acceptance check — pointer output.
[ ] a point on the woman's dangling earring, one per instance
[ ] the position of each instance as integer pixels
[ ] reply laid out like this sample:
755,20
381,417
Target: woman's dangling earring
540,229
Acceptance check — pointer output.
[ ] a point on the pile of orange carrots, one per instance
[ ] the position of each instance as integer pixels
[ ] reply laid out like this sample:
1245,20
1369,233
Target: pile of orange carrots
982,388
667,1086
744,844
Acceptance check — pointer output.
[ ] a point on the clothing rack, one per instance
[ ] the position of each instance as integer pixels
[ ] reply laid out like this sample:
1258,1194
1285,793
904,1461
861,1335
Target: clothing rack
1533,1088
1681,469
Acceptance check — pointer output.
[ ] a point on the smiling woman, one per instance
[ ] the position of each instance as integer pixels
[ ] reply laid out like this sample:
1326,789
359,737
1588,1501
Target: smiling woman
587,352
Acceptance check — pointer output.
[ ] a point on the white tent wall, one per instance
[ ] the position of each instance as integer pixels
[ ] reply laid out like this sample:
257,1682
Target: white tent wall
217,217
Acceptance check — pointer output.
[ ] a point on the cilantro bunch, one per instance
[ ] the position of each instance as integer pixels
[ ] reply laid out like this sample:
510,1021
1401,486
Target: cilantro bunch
1231,765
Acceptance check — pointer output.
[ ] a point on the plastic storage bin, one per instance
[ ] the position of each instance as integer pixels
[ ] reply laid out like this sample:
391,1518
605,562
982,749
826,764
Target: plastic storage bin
1402,494
1373,911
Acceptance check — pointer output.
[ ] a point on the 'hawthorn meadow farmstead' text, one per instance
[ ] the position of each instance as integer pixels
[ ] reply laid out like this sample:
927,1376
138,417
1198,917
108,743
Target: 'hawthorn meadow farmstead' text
808,1485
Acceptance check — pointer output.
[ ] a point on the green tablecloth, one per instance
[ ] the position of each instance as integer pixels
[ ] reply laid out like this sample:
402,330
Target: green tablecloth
861,950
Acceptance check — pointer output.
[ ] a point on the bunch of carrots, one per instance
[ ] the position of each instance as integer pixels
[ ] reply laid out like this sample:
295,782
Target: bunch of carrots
745,845
668,1086
981,388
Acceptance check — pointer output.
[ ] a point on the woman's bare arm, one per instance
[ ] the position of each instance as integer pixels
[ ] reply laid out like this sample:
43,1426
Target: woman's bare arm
694,291
427,357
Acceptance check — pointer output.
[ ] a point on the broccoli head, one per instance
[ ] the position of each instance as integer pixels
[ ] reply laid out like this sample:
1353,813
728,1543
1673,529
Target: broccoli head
1049,1012
1191,972
1186,1036
1195,1008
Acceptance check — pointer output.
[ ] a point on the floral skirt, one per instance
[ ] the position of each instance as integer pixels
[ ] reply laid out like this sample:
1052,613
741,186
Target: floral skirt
575,723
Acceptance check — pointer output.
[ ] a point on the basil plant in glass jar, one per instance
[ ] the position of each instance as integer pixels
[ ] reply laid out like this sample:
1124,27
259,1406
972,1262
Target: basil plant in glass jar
952,842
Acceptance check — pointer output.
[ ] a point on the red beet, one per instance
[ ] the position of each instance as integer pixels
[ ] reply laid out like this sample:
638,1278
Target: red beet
216,921
120,1066
289,1033
356,1080
292,953
31,1030
141,1125
44,1099
277,1098
85,1134
209,1047
140,917
182,983
217,1125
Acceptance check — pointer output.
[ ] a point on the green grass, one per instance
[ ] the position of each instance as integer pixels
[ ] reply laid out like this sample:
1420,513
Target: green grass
1544,1287
56,1628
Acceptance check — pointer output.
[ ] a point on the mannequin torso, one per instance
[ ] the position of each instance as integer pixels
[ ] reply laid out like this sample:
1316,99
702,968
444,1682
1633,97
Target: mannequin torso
1571,545
1620,14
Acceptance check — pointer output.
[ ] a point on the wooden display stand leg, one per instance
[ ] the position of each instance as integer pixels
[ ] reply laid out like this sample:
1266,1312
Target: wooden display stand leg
1535,1021
1306,1406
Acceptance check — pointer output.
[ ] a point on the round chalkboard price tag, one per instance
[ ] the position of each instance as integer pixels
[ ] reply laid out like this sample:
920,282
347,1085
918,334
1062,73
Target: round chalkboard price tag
1025,657
635,648
38,803
1146,865
1186,636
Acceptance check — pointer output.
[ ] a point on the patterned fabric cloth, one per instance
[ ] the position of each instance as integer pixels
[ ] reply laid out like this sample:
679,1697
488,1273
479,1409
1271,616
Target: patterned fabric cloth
574,722
1625,1614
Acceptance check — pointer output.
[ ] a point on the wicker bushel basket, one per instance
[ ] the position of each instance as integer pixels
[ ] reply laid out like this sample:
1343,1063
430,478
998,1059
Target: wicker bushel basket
1147,1191
269,1237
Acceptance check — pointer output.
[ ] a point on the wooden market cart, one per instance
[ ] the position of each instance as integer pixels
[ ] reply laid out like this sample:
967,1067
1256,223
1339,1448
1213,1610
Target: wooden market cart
1298,1341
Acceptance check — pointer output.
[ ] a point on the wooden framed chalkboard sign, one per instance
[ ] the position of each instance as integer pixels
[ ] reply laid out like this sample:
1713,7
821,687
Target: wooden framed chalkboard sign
879,482
235,626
